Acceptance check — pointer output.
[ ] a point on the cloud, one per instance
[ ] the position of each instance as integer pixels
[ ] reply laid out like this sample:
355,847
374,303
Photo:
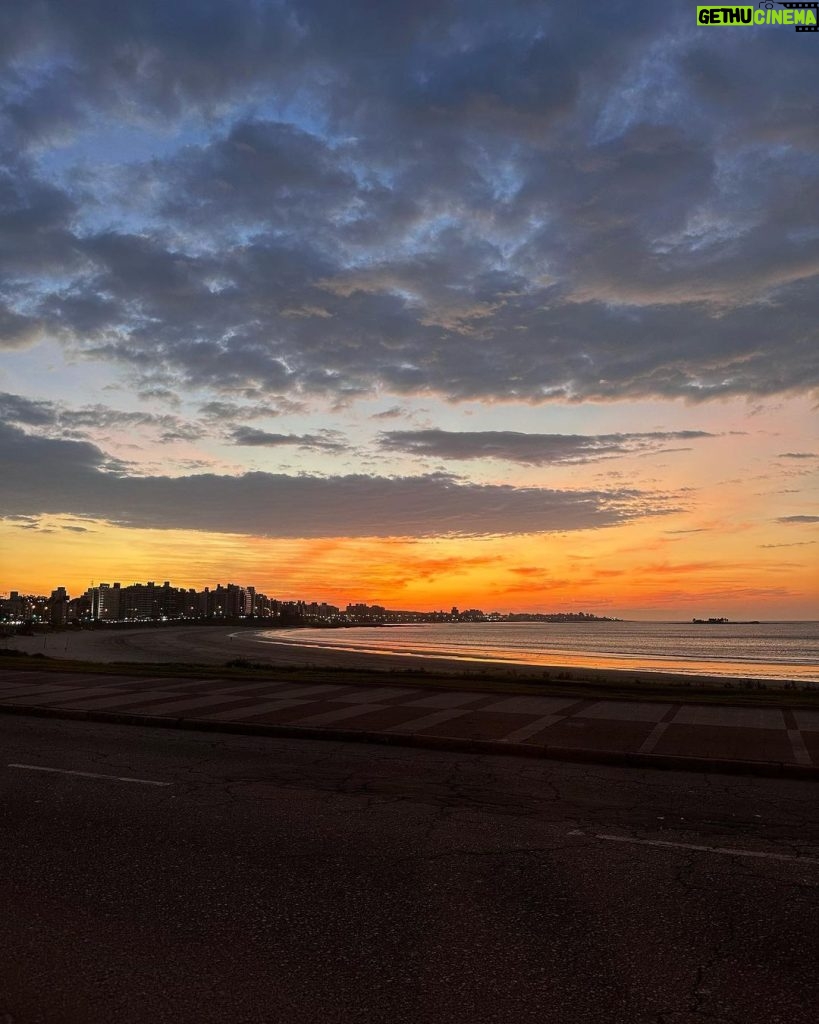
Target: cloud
328,440
17,331
412,569
798,455
393,413
44,475
35,237
529,449
57,416
474,201
792,544
227,411
74,63
798,519
30,411
266,169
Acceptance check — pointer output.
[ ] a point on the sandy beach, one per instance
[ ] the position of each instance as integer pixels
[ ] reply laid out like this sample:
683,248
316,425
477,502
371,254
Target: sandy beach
204,645
215,645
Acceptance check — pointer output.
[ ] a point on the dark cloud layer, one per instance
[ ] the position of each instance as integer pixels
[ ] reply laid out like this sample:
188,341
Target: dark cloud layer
327,441
43,475
530,449
485,201
56,417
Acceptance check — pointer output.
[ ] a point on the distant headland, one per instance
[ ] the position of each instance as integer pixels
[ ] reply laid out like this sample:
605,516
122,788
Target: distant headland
724,622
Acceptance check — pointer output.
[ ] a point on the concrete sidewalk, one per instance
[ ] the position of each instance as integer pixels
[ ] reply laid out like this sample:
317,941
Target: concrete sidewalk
733,738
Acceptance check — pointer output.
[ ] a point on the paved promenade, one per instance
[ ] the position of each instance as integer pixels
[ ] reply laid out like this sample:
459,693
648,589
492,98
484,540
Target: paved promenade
642,732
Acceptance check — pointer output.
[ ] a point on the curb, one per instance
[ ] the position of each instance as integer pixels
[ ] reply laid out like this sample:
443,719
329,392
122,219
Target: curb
666,762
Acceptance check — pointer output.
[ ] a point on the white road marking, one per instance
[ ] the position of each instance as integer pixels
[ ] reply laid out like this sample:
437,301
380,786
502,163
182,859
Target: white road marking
87,775
707,849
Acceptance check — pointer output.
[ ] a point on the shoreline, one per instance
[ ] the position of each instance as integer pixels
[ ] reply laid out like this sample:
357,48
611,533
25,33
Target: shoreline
215,646
619,665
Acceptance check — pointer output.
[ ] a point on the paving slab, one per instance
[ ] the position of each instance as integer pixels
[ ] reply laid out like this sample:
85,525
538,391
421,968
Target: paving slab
448,700
252,712
46,697
384,720
719,734
593,734
285,711
15,687
531,705
480,726
716,741
631,711
376,693
649,744
800,751
254,687
753,718
191,704
339,715
155,682
120,700
811,743
534,728
67,678
426,722
38,689
312,691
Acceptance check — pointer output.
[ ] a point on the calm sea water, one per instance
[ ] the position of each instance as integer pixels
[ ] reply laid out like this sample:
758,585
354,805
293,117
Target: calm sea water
770,650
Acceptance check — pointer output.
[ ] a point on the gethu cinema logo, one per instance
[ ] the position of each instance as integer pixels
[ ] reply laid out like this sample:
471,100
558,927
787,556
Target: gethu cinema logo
802,16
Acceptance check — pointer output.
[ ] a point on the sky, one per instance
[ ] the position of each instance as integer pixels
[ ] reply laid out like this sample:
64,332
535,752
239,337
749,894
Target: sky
511,306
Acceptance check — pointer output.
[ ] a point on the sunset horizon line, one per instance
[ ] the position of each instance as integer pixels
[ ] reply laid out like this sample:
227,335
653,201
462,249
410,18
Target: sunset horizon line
250,603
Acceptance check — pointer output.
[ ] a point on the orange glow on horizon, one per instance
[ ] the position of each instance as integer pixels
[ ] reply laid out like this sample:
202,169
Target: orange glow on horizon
640,570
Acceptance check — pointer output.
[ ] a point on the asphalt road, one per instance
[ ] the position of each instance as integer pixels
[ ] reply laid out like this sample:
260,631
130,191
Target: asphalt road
290,881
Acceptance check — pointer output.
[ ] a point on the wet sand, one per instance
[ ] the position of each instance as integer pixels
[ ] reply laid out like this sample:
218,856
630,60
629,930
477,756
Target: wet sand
216,645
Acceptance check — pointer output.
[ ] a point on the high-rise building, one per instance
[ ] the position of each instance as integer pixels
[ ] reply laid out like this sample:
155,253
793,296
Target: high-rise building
58,607
105,602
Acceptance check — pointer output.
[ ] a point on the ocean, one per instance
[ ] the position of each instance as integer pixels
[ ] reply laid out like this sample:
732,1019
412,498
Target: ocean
768,650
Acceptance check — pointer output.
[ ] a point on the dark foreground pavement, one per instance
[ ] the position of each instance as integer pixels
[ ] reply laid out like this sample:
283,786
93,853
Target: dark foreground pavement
156,875
716,736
